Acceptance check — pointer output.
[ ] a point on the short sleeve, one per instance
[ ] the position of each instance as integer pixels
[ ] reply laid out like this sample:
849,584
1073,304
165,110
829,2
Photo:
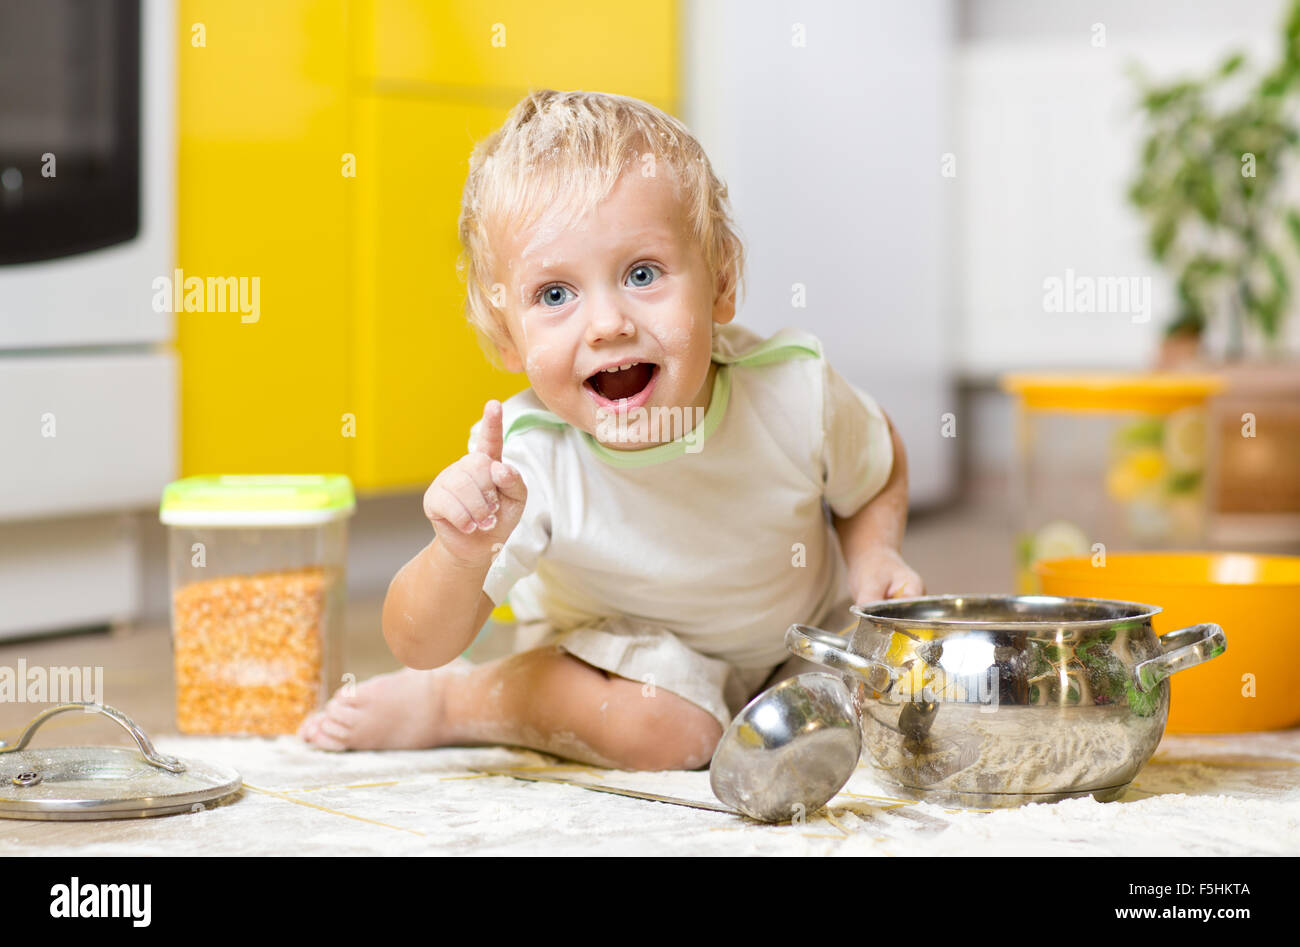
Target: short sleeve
857,450
525,546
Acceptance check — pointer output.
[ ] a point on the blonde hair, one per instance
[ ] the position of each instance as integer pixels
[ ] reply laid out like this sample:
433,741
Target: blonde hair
558,155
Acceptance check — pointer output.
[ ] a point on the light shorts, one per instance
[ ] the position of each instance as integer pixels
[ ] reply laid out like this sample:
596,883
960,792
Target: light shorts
656,657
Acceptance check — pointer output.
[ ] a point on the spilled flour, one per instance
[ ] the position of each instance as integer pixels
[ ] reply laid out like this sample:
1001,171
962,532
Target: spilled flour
1233,794
1014,749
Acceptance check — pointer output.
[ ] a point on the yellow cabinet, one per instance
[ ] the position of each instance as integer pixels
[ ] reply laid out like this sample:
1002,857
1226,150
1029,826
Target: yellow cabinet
500,48
323,149
262,120
422,378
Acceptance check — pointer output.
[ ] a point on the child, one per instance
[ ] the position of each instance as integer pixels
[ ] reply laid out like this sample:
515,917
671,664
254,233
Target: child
656,504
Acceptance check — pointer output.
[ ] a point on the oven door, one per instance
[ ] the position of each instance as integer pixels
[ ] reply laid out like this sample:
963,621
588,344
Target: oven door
69,127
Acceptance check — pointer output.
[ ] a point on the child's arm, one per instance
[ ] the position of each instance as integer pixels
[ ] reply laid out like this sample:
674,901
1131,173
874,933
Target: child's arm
436,604
871,538
434,608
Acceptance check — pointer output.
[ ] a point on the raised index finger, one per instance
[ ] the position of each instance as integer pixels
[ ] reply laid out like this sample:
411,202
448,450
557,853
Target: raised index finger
489,438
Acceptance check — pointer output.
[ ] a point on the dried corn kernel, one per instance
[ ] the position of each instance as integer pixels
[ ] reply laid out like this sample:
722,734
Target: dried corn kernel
249,651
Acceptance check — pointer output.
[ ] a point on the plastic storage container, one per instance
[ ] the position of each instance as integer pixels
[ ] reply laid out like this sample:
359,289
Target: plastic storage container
1116,460
1252,686
257,578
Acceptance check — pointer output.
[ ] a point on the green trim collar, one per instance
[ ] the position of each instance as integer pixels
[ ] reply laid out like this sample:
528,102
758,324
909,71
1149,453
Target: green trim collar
781,347
649,456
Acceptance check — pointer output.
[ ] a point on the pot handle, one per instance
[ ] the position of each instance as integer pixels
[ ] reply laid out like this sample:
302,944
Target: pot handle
832,651
1181,649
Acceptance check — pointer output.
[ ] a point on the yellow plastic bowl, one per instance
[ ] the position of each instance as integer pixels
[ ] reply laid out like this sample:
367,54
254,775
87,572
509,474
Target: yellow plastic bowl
1255,683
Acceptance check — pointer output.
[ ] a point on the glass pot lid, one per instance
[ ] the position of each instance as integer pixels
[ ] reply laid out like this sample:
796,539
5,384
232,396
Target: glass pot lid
73,783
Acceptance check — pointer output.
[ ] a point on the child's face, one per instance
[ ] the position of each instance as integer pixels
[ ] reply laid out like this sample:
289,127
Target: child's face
626,284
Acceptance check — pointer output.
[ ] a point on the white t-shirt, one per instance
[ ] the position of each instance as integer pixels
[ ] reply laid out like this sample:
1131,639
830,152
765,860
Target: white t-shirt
727,543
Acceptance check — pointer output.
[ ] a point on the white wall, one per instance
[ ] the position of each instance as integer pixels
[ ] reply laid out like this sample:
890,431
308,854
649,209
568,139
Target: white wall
1048,140
831,152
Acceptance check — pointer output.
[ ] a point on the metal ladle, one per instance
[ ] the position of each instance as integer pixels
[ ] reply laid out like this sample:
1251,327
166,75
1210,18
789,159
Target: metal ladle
790,750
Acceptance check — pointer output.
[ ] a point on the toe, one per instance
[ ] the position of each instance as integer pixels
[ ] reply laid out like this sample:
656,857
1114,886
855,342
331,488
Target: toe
309,726
323,741
335,730
346,714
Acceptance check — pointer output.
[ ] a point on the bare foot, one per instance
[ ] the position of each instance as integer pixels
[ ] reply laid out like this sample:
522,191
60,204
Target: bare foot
542,699
404,710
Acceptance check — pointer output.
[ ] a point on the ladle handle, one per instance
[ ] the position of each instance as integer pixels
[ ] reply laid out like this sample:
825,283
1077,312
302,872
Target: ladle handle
1181,649
151,755
832,651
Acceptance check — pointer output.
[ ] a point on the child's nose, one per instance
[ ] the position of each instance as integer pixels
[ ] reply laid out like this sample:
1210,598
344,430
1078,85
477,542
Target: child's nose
608,321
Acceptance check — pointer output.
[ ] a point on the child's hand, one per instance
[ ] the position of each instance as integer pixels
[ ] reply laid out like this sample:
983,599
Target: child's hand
881,573
476,502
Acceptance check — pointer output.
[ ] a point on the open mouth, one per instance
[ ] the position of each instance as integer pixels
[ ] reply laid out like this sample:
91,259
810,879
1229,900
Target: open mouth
623,383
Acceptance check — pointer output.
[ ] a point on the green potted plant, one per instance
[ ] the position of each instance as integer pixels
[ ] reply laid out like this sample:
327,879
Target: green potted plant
1215,156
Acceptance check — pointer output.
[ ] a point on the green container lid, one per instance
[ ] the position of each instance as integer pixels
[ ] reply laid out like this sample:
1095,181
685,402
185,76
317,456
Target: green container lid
257,500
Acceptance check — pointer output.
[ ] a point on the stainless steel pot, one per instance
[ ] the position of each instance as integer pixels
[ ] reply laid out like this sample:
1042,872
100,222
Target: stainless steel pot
996,700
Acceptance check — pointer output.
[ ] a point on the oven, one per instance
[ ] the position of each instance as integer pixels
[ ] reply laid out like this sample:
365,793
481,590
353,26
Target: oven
70,120
88,375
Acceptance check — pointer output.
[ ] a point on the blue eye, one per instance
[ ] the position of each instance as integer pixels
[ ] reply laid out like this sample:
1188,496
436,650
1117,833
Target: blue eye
643,268
547,295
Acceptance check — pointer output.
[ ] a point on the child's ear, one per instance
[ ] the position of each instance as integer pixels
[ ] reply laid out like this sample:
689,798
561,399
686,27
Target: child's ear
503,341
510,359
724,301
